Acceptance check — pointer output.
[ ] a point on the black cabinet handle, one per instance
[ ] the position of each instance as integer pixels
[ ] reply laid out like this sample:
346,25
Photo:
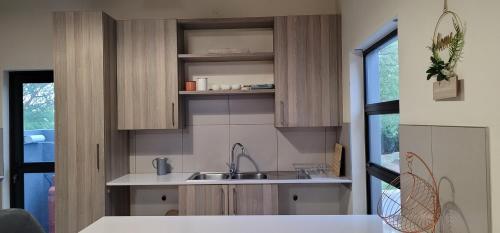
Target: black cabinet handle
98,165
173,114
282,105
235,201
222,198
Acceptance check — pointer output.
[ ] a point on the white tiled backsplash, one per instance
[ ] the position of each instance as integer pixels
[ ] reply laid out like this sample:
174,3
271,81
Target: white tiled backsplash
214,124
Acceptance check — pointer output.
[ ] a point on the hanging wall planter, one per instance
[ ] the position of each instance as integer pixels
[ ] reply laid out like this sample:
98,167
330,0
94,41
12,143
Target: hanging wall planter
446,53
445,89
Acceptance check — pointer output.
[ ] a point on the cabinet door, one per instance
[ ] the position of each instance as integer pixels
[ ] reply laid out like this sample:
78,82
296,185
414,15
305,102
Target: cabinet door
78,78
203,200
147,74
260,199
307,70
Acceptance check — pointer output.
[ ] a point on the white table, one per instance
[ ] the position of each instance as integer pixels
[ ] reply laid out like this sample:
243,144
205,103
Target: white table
241,224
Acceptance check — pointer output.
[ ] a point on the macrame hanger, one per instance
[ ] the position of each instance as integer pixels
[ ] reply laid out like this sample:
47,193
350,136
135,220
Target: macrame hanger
445,9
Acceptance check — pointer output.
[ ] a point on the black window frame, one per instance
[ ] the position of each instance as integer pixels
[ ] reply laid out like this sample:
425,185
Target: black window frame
16,137
380,108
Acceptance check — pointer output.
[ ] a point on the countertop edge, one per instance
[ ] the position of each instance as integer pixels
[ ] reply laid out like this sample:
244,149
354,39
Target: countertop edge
176,179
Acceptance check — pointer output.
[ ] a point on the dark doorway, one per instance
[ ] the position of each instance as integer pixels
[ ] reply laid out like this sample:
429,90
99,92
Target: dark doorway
31,114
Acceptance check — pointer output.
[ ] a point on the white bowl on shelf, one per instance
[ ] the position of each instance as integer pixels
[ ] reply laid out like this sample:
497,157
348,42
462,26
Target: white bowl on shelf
225,87
215,87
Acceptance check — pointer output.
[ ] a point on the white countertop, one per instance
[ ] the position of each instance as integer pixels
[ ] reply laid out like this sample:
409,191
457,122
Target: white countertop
181,179
241,224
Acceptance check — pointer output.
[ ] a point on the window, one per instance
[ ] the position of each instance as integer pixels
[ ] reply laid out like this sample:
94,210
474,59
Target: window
381,69
31,104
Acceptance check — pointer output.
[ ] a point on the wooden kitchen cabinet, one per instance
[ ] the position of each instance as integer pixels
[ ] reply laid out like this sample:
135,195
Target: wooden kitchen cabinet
203,200
147,74
259,199
307,70
89,148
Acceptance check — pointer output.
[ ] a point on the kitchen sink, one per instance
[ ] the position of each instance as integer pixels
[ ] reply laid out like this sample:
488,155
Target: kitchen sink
209,176
249,176
227,176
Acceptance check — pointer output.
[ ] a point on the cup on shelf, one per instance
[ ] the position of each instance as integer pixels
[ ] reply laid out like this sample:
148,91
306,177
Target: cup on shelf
246,88
190,86
201,84
225,87
215,87
236,87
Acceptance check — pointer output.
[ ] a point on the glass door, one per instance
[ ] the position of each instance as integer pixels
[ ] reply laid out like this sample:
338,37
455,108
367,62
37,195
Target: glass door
381,71
32,144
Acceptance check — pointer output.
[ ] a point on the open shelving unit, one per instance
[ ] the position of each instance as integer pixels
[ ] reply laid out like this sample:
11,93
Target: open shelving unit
230,92
226,23
185,56
266,56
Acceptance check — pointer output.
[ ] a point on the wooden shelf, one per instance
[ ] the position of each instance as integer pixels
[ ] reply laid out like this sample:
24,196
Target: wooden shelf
231,92
267,56
226,23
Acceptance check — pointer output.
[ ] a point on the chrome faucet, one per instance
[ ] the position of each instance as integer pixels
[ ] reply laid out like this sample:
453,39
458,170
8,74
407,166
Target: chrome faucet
232,165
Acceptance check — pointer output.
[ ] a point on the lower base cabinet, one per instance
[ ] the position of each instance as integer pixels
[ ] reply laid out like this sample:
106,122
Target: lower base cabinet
203,200
258,199
253,199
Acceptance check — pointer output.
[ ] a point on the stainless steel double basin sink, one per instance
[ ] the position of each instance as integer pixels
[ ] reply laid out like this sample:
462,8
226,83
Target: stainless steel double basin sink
227,176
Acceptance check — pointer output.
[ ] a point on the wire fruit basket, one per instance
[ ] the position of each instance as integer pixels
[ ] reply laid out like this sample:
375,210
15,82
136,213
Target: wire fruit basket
416,207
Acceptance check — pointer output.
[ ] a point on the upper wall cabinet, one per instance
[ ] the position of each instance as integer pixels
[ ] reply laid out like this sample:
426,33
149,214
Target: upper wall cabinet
307,69
147,74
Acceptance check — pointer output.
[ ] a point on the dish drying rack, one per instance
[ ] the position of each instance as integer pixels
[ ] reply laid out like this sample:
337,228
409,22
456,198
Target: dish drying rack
307,170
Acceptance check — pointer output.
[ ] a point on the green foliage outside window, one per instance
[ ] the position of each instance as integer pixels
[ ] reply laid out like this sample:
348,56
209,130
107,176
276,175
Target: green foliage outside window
38,106
389,90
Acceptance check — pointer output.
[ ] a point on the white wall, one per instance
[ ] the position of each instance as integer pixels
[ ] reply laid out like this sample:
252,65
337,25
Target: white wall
26,26
360,22
416,20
